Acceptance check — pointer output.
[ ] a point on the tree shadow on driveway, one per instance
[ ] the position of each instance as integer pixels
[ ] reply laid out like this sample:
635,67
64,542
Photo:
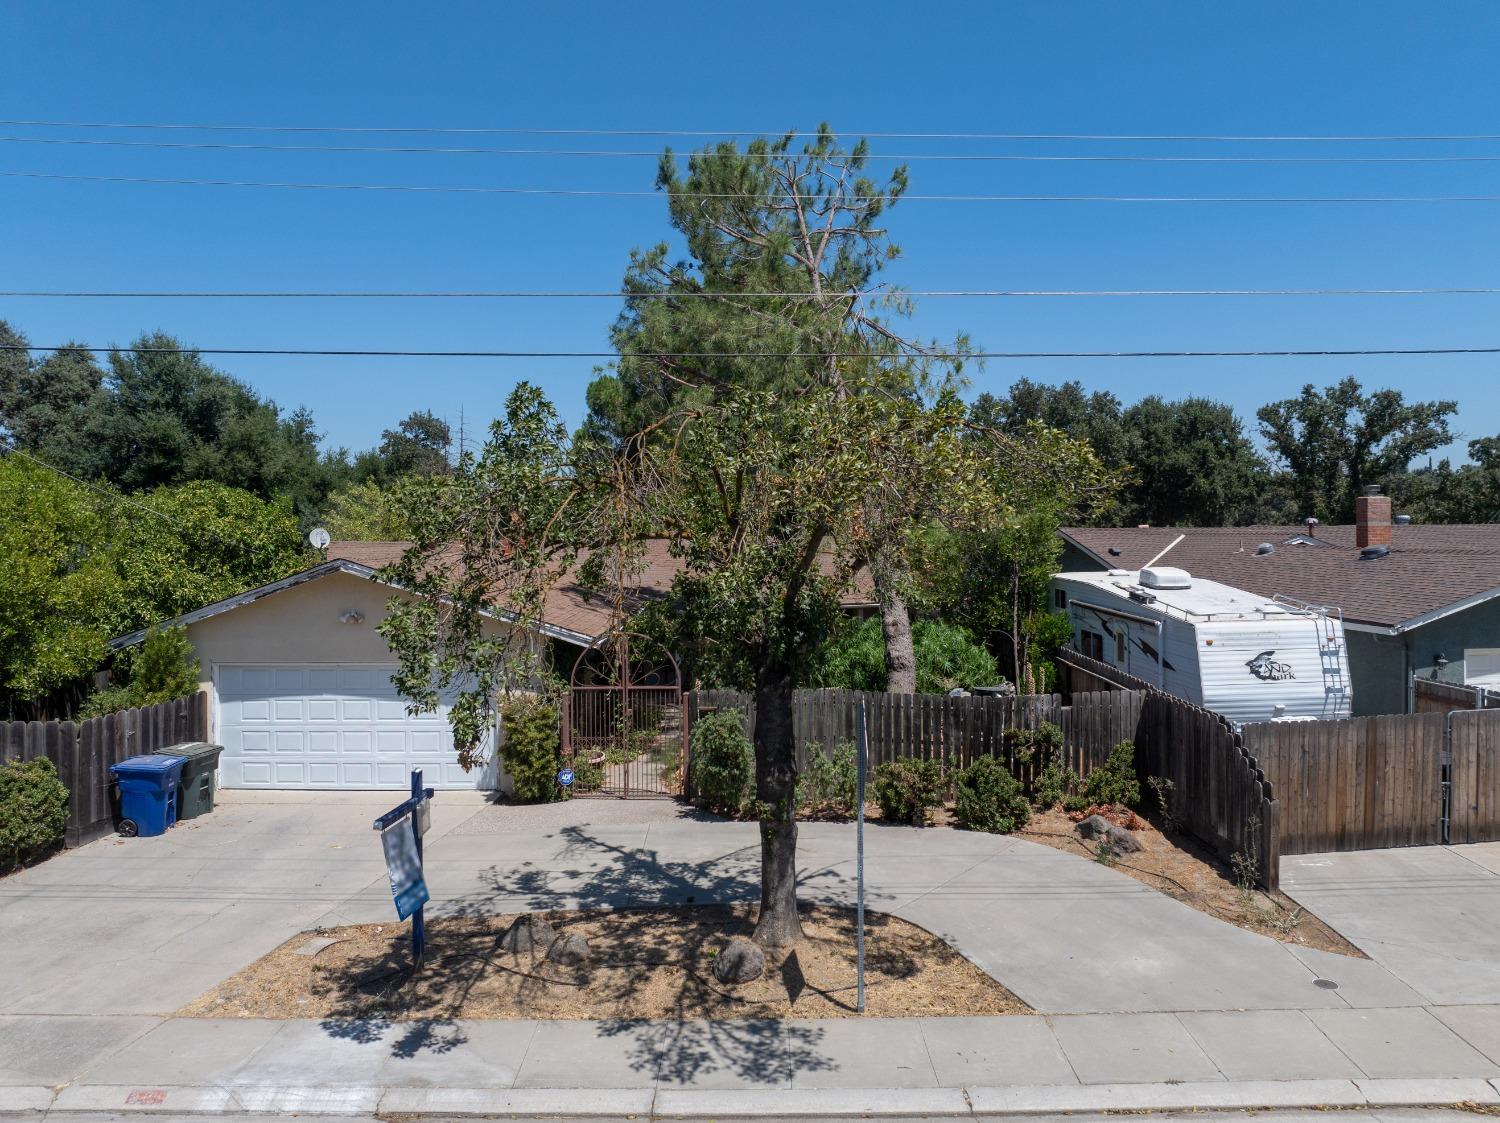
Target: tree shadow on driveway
588,872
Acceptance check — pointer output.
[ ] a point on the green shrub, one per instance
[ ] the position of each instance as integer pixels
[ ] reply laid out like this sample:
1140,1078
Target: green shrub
828,787
530,748
164,668
947,656
33,810
1114,781
1055,784
1040,744
990,799
907,790
722,762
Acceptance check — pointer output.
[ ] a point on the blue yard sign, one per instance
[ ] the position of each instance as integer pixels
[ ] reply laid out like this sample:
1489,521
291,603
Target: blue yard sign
565,777
401,830
408,886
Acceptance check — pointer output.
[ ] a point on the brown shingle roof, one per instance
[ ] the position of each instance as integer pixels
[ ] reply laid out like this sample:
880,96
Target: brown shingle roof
1428,568
569,605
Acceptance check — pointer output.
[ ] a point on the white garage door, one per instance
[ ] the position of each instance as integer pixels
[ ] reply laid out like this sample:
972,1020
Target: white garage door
328,726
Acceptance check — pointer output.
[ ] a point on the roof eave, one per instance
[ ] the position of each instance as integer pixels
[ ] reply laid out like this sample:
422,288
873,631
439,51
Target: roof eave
323,569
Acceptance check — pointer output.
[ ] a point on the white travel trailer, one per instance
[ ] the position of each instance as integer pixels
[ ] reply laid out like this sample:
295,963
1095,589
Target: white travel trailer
1222,648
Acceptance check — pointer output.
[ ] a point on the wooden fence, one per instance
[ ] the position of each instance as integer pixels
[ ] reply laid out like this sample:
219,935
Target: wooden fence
1354,784
1432,697
1076,672
1221,796
83,752
953,731
1219,792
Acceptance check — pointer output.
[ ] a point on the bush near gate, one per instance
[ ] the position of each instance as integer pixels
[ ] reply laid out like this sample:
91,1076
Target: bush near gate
907,790
990,798
530,748
722,762
33,810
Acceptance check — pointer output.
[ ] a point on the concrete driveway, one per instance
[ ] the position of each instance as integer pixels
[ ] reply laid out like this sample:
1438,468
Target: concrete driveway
1428,914
142,926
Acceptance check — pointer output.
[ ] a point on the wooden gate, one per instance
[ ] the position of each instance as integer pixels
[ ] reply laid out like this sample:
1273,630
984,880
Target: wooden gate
624,729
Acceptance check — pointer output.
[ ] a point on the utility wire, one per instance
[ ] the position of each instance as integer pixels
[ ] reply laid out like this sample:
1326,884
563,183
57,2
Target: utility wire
370,353
613,294
653,194
777,133
970,157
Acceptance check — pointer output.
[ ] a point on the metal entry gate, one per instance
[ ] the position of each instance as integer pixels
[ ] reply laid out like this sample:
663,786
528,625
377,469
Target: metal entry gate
624,729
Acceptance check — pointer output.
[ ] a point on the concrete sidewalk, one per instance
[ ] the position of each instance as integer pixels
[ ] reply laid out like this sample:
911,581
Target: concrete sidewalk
1245,1059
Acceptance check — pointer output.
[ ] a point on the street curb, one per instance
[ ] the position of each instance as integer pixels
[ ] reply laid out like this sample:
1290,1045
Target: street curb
747,1103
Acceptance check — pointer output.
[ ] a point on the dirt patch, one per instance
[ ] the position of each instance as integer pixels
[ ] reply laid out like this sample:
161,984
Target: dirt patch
646,963
1183,868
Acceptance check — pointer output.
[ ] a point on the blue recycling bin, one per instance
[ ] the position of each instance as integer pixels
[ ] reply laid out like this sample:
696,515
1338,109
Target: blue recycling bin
148,793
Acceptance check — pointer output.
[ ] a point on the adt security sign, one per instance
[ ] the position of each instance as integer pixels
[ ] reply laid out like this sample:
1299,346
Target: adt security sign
565,777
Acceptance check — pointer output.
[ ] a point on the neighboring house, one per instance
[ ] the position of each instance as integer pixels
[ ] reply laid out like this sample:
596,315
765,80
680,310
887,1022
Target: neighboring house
299,679
1428,605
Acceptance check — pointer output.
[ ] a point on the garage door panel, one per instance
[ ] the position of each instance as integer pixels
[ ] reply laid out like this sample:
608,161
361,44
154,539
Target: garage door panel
322,709
325,726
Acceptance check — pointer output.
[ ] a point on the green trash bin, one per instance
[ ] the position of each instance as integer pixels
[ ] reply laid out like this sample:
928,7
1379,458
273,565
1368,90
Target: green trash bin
195,790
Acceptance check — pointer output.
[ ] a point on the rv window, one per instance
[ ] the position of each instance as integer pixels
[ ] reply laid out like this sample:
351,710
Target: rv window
1092,645
1122,648
1060,598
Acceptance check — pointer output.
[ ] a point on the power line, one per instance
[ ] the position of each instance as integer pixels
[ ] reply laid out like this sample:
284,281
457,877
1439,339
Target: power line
602,193
333,352
520,131
617,294
963,157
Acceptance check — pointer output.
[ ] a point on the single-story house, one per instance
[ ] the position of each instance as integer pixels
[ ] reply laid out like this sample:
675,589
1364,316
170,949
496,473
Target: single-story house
299,679
1416,600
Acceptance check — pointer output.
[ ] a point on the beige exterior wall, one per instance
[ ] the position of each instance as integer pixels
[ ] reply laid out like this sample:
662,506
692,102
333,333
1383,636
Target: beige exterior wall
301,624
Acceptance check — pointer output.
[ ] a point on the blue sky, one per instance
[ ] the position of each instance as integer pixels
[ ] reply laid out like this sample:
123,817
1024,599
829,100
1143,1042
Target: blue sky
1366,67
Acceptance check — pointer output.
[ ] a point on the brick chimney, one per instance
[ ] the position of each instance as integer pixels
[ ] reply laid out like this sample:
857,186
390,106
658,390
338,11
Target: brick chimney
1372,518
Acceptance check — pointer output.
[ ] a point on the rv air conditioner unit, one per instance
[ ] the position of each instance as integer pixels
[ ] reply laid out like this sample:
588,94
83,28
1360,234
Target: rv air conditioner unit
1165,577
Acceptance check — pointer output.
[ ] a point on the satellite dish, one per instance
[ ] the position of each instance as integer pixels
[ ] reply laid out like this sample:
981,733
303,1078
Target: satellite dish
319,538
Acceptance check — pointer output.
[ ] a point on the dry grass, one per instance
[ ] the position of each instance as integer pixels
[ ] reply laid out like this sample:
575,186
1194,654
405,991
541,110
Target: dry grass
647,963
1186,870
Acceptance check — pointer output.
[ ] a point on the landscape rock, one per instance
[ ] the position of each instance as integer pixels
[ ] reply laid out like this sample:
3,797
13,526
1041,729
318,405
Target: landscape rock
1122,841
1118,839
570,951
529,933
1095,826
741,961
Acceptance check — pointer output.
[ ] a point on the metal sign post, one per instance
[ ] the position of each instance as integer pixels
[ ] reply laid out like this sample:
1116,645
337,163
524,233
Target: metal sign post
403,855
861,750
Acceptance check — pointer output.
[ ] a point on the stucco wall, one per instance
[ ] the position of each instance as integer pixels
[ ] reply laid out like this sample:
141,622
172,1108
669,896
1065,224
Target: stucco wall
1476,627
1377,673
298,625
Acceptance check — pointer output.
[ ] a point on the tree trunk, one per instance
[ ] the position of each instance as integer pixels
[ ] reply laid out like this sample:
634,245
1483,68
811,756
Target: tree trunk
895,626
776,788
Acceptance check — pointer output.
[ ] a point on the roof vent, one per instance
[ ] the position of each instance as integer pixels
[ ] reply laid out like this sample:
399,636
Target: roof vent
1264,548
1370,553
1114,551
1165,577
1140,596
1403,520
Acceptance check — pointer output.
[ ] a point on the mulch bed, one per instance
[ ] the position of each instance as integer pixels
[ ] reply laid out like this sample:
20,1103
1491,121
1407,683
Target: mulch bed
1183,868
646,963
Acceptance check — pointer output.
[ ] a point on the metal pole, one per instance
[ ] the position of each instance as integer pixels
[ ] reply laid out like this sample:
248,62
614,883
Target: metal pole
418,923
861,745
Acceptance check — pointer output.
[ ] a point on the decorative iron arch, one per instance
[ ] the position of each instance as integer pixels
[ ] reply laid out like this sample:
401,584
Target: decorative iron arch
624,731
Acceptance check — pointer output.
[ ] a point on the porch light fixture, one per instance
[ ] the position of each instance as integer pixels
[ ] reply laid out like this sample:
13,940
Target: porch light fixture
353,616
1440,660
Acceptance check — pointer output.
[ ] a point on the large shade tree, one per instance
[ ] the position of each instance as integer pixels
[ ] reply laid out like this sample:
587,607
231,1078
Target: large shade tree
783,248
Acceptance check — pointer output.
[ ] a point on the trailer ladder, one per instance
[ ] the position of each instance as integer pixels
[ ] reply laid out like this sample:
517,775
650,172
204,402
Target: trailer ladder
1331,646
